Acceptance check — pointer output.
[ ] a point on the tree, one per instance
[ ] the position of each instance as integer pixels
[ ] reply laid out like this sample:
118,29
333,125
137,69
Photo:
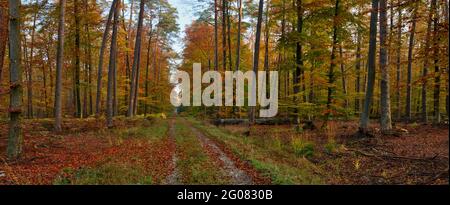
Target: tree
364,120
331,76
299,58
30,66
238,38
398,63
77,85
112,68
437,72
386,123
3,33
101,57
136,63
251,112
15,137
410,61
59,66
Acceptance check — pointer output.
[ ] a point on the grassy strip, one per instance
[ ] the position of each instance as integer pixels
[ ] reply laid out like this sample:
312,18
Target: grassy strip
282,165
195,165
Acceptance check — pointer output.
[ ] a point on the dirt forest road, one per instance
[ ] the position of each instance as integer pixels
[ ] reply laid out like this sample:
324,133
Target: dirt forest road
223,165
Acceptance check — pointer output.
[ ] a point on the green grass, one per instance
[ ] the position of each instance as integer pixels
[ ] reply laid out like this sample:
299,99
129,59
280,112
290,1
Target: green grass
105,174
155,130
195,165
283,163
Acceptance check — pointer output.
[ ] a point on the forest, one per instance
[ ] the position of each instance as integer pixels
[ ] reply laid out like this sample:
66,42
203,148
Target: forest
363,92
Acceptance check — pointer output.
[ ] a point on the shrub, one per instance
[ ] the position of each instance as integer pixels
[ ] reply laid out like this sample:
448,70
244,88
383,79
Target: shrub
302,148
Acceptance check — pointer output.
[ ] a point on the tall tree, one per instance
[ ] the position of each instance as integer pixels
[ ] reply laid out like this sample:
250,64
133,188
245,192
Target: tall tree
3,33
101,57
364,120
386,122
426,61
410,61
112,68
299,57
77,93
136,62
15,137
437,72
216,38
59,66
331,75
30,64
398,63
238,38
252,110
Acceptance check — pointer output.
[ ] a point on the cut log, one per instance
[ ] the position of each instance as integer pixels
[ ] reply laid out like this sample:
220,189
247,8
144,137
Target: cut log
265,121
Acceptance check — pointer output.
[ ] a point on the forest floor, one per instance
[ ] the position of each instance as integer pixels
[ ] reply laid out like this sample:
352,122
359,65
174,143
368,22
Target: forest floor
188,151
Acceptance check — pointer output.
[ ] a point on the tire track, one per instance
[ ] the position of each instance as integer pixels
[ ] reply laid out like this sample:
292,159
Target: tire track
174,178
237,176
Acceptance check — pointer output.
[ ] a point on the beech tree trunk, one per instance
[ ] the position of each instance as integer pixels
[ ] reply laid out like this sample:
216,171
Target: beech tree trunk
136,62
15,135
112,68
364,121
3,33
101,58
59,66
410,59
385,101
252,109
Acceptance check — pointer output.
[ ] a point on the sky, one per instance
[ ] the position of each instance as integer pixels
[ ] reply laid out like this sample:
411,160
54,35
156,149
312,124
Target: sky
185,17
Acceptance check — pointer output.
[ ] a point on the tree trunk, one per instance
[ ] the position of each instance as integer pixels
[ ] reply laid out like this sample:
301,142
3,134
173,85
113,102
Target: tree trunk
112,68
3,33
238,39
30,68
77,59
331,76
437,73
410,59
252,109
216,38
364,121
136,62
101,58
299,59
224,35
15,136
358,73
385,101
88,67
398,63
59,66
149,46
343,76
230,57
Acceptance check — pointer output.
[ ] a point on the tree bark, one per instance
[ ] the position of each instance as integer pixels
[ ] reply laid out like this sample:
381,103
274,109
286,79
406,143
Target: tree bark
59,66
398,63
15,136
437,72
252,109
238,39
30,67
112,68
101,58
3,33
77,60
136,62
331,76
385,101
364,121
410,59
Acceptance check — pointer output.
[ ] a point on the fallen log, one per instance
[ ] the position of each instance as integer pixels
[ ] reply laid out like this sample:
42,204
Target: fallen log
261,121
